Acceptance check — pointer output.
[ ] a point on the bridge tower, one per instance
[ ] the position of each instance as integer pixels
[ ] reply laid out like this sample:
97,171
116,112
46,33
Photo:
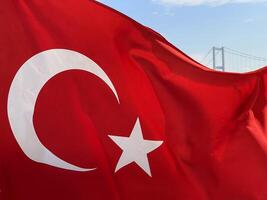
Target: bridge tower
218,56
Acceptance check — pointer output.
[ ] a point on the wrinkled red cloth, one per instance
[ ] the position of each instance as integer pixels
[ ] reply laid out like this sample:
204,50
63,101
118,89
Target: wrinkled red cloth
212,124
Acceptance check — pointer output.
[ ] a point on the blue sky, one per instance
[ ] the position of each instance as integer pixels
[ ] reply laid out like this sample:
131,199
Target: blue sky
194,26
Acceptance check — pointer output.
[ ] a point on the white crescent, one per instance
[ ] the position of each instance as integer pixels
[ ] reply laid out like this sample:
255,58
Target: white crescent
24,90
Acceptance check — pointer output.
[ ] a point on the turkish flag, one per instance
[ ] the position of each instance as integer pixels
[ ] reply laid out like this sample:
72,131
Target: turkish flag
94,105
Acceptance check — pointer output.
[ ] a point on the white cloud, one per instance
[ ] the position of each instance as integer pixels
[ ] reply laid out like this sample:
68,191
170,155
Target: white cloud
248,20
205,2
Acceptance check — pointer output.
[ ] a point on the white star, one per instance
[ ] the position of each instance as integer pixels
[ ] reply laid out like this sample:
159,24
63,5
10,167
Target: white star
135,148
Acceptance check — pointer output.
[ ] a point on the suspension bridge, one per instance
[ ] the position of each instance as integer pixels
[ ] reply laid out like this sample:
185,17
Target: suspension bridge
230,60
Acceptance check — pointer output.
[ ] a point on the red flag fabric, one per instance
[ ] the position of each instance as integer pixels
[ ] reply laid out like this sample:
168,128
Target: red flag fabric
96,106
